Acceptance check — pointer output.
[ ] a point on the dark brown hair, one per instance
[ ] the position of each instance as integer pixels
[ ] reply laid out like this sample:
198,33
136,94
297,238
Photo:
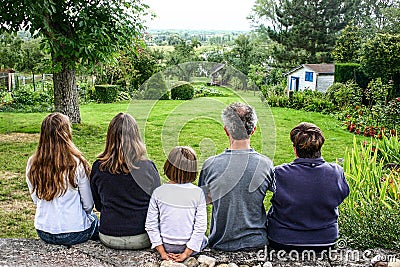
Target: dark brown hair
124,146
56,159
308,139
181,165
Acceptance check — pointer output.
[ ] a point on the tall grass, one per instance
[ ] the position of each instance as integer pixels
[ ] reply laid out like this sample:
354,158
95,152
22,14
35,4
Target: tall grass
370,216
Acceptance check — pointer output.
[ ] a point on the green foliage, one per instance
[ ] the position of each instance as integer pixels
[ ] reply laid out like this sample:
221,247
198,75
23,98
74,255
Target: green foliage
183,51
257,74
85,32
10,50
106,93
183,91
155,88
346,95
348,46
375,117
345,72
377,92
372,209
312,30
306,100
201,90
25,99
381,59
131,69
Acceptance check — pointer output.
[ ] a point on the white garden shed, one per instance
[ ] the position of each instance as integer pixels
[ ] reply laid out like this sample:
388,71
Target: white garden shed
315,77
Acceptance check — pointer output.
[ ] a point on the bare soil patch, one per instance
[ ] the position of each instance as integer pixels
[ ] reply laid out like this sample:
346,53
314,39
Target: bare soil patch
19,137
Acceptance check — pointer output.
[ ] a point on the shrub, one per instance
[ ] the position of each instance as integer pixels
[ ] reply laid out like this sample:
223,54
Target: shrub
345,72
106,93
183,91
25,99
208,92
370,213
155,88
345,95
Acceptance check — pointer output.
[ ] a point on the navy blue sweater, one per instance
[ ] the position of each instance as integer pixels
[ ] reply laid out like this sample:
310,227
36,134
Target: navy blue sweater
123,199
304,207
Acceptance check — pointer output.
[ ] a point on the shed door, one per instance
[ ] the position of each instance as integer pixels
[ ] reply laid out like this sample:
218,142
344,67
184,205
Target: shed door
294,83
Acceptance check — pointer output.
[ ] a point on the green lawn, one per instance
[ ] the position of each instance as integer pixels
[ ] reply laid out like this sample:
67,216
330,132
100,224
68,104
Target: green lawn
163,124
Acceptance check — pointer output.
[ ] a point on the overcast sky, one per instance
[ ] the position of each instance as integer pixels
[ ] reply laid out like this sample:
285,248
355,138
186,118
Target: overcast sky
200,14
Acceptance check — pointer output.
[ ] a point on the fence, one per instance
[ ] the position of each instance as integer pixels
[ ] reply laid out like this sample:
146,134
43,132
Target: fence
10,80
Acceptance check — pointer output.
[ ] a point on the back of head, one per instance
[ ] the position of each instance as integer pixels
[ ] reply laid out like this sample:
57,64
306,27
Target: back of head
124,145
55,158
239,120
308,139
181,165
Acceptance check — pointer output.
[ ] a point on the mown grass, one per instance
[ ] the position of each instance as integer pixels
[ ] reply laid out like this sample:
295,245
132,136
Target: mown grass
163,124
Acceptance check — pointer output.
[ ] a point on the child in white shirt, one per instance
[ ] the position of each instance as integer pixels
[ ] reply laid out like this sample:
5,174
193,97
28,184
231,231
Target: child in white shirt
177,215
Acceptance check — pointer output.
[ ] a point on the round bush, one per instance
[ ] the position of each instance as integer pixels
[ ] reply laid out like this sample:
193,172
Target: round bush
183,91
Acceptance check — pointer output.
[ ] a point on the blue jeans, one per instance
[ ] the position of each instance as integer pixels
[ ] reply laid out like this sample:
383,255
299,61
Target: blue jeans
69,239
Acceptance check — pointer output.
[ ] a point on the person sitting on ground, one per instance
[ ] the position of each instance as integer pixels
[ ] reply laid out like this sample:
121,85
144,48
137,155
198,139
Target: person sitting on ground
122,181
57,177
235,183
177,216
304,212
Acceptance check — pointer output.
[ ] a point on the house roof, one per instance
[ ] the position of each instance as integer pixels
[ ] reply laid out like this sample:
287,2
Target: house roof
322,68
318,68
217,68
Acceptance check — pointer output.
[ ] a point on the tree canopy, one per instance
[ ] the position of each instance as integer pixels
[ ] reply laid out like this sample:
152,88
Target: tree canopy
301,27
78,32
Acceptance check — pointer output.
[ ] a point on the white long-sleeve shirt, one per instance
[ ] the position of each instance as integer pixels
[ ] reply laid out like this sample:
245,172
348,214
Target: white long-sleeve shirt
66,213
177,215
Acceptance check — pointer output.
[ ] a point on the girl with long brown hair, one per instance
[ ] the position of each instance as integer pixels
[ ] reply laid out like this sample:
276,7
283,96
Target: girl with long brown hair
57,177
122,181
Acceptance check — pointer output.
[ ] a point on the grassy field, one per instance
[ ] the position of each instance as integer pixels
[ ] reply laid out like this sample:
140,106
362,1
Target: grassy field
163,124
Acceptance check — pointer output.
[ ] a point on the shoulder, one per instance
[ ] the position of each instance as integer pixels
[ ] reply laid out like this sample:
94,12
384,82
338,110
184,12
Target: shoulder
209,162
262,158
145,163
334,167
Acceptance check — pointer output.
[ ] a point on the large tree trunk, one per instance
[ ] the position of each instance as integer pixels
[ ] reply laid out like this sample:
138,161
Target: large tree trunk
66,93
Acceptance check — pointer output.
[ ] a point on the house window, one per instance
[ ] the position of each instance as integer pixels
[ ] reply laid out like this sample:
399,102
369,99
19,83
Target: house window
309,76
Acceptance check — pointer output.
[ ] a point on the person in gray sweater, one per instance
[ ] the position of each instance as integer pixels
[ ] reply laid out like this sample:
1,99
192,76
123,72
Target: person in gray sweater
235,183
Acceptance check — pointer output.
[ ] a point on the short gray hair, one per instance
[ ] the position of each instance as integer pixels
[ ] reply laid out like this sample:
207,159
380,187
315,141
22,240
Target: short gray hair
239,120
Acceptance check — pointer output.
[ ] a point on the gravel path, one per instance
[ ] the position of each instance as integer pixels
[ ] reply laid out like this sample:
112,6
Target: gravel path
33,252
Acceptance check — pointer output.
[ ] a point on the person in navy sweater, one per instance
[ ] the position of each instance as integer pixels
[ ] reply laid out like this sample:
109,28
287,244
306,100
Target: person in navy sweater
304,212
122,181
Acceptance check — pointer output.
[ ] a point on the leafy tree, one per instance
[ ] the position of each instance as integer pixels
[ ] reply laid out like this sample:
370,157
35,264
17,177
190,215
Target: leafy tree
348,45
78,32
33,59
240,56
374,16
381,58
10,50
184,51
392,24
301,26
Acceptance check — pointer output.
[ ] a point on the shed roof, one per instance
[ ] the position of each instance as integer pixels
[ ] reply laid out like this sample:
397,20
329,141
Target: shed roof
322,68
318,68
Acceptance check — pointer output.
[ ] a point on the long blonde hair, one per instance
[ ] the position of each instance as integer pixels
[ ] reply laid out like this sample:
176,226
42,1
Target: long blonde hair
124,145
56,158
